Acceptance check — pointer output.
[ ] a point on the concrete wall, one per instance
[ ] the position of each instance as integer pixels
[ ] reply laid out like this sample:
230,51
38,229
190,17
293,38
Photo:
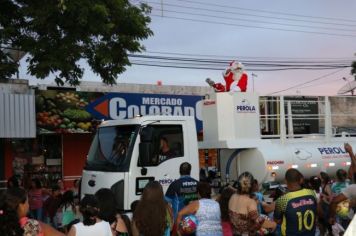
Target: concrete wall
345,110
17,86
86,86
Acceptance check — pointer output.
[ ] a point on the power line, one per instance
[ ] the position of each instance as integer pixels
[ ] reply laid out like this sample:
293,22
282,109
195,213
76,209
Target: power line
174,66
246,62
347,59
219,69
261,67
193,64
257,21
324,82
310,81
315,85
247,14
205,67
249,26
269,12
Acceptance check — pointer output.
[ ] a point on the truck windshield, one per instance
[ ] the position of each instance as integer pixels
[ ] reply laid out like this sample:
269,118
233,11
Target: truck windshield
111,148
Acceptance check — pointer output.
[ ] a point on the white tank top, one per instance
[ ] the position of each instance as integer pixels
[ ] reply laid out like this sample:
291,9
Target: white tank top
208,215
101,228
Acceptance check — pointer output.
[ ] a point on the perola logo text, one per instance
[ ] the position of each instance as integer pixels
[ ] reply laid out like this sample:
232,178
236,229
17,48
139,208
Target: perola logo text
245,107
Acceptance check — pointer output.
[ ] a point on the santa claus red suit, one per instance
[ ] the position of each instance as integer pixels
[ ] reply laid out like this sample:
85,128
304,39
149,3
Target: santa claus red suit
235,79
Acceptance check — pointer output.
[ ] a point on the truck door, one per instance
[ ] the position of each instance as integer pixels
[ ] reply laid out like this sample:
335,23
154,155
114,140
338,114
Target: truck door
169,150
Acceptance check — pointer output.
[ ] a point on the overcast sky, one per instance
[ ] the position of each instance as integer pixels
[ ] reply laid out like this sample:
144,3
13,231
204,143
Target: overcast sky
227,40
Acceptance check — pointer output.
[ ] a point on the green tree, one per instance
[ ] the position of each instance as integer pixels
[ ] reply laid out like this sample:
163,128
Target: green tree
57,34
7,66
353,69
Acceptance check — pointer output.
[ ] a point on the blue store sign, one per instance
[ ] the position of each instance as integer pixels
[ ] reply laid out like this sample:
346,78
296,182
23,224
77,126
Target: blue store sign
114,106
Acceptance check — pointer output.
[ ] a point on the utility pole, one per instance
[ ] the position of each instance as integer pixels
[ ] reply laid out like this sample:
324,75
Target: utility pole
253,81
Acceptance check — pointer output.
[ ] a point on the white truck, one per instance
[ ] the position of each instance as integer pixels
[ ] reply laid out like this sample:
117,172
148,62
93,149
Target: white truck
125,154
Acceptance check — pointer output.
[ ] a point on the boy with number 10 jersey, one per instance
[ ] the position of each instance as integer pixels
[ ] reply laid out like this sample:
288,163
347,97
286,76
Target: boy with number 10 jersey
297,212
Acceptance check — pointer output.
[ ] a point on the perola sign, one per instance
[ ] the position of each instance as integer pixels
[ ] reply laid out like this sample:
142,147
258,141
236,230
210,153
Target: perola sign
332,152
113,106
245,107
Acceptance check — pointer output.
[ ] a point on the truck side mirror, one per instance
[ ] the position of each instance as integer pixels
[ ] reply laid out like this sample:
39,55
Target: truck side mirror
145,153
146,134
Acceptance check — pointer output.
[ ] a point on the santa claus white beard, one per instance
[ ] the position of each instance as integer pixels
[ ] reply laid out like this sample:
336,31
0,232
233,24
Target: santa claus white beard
237,75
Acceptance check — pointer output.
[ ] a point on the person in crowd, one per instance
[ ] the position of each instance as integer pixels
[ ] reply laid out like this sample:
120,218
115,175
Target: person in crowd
348,193
153,215
258,196
352,169
92,224
60,183
165,151
126,219
107,205
51,205
243,208
325,185
133,205
17,200
341,182
9,220
262,206
107,211
206,210
325,199
279,191
337,188
13,181
183,190
35,197
123,226
297,209
76,194
315,184
223,201
203,175
75,188
68,210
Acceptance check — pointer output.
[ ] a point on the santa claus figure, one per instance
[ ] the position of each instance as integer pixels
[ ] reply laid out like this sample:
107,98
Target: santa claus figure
235,79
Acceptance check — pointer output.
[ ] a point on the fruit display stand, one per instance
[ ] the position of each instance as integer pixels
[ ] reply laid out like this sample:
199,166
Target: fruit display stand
63,112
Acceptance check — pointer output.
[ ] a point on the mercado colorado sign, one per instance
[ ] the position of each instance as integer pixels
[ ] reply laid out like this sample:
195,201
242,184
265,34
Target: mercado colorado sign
77,112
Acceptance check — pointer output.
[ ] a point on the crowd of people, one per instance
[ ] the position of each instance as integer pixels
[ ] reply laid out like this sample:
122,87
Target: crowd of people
57,211
311,206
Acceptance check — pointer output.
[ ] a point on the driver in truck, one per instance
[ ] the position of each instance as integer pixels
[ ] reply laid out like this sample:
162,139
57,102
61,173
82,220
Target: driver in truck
165,151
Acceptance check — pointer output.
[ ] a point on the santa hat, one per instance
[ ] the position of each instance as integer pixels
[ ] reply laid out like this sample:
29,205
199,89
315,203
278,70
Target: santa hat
235,65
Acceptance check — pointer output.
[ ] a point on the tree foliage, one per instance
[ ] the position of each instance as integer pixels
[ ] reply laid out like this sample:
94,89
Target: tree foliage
7,66
57,34
353,69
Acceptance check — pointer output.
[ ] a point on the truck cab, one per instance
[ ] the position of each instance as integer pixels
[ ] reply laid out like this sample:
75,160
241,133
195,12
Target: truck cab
126,154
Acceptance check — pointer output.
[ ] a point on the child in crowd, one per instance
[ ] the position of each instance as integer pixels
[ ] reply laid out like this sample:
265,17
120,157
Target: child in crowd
68,210
51,206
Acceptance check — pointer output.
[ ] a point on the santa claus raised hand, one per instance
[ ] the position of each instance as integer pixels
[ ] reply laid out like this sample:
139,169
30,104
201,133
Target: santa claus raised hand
235,79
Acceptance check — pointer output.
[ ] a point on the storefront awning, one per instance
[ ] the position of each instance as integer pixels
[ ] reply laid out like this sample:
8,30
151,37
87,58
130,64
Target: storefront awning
17,116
